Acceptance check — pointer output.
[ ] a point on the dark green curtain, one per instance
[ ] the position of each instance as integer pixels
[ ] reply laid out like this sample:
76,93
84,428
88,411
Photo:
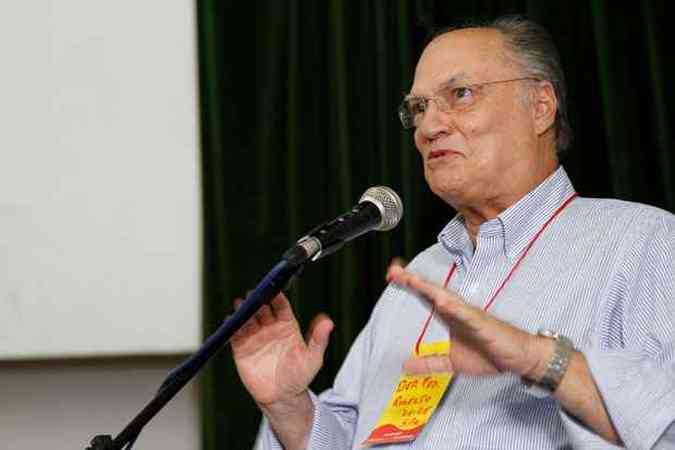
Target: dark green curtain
298,102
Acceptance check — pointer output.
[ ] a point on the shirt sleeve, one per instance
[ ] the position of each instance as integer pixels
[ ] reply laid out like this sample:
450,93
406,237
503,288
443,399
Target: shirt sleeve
632,354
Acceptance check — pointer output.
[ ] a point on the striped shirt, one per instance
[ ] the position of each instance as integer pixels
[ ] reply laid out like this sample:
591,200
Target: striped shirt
602,273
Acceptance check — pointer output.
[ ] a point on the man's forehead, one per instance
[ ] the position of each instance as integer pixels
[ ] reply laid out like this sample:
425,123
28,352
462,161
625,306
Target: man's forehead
460,56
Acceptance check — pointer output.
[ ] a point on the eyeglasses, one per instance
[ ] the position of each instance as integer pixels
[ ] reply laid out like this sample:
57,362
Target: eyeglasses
449,99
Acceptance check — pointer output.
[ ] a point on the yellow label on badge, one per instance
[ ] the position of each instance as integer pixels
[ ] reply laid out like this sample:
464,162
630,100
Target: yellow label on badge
413,402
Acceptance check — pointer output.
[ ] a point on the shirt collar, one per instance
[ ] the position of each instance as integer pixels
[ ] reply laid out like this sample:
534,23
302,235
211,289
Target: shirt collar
518,223
455,238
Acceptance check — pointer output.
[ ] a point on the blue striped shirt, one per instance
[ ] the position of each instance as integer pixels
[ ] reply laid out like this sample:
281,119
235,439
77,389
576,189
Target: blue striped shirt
602,273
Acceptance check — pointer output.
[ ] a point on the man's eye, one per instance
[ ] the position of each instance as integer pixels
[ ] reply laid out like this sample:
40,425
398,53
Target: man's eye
417,106
462,93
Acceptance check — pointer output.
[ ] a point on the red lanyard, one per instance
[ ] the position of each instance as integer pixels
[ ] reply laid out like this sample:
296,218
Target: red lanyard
508,277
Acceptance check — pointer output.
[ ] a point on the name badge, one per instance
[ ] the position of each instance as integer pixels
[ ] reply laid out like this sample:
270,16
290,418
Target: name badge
413,402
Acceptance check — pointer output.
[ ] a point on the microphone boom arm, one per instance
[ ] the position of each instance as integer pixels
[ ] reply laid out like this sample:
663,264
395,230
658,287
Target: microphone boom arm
278,279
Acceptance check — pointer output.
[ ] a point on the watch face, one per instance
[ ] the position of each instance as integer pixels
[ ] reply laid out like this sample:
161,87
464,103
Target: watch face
548,334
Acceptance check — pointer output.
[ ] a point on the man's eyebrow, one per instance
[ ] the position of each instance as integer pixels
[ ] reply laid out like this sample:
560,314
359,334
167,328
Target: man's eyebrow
451,81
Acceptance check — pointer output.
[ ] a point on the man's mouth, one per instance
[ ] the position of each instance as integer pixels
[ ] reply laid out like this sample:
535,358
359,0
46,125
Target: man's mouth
440,153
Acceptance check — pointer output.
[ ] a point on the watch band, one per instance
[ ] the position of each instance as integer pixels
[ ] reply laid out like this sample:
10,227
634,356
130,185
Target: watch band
557,365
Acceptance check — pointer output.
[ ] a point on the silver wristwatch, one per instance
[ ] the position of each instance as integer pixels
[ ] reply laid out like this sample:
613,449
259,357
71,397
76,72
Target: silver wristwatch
557,365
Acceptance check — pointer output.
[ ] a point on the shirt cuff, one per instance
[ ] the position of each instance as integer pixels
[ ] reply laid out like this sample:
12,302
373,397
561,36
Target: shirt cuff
266,439
326,432
581,436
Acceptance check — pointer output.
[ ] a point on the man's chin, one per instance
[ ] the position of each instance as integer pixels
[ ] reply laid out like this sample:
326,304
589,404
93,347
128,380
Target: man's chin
449,190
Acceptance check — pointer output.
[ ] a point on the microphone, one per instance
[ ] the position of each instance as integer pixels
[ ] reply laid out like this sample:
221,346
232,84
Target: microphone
379,208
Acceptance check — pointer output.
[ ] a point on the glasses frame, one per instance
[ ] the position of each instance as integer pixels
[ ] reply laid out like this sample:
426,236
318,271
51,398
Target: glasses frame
407,118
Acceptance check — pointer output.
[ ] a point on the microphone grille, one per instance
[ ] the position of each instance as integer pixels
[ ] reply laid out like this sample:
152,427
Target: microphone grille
389,204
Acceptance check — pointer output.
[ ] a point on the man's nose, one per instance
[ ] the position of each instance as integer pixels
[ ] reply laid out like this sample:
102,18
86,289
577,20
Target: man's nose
435,120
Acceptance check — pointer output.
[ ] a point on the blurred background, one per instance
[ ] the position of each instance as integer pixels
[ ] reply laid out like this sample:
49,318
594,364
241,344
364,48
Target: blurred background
159,156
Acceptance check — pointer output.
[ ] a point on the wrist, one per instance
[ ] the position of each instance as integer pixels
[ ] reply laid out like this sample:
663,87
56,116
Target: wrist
291,419
293,405
551,356
541,351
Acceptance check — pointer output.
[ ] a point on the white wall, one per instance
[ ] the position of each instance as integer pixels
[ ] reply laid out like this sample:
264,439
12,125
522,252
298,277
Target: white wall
99,199
62,405
99,219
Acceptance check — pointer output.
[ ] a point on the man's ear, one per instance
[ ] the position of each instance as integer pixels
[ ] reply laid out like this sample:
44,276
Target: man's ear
544,106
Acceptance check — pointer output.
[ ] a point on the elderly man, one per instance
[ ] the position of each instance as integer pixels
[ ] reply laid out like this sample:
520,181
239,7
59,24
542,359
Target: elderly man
557,312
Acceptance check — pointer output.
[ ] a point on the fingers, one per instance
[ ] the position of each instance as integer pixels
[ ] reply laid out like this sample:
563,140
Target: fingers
402,277
318,335
264,316
278,309
420,365
281,307
249,328
398,261
395,262
448,305
395,265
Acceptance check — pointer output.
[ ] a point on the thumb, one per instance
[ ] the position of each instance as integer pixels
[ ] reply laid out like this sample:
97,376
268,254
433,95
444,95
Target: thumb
318,336
422,365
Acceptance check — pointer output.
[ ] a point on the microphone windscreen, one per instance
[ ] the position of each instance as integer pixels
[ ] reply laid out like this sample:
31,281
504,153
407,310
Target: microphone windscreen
389,204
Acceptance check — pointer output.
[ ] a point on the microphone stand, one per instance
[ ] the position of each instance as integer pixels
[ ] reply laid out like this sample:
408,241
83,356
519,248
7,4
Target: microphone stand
379,208
278,279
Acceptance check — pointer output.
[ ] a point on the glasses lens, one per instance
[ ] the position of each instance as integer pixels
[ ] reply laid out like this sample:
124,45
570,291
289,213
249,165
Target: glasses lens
410,110
405,115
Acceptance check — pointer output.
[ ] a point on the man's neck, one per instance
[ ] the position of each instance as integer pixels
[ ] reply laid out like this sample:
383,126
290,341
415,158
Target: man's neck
475,215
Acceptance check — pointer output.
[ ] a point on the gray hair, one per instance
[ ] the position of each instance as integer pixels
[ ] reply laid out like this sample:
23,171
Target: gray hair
531,47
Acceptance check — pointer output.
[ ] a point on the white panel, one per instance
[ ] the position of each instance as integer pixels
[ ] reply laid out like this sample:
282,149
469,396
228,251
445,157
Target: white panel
99,229
62,405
